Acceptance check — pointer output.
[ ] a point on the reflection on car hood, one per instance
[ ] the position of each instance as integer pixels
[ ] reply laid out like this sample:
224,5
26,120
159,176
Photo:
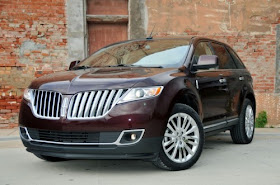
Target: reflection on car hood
70,82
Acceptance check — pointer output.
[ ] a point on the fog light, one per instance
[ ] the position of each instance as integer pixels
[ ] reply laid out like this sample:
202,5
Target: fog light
133,137
23,133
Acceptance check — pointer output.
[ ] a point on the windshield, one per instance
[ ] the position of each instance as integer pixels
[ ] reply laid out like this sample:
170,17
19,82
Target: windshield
167,53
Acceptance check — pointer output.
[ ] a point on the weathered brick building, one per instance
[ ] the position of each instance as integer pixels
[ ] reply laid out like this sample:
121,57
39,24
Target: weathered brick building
40,37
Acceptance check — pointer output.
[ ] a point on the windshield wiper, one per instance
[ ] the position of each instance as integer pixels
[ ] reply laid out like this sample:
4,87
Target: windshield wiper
120,65
147,66
127,65
80,67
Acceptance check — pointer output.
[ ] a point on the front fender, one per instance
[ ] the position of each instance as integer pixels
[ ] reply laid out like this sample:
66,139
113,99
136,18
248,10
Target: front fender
173,91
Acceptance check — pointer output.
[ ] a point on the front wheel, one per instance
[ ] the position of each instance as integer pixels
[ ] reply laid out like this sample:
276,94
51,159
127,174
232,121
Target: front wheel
183,139
243,132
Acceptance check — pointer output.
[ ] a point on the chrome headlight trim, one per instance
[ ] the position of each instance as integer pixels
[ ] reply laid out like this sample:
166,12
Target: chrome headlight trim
141,93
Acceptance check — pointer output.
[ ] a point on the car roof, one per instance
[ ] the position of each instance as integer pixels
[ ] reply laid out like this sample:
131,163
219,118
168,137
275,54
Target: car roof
193,40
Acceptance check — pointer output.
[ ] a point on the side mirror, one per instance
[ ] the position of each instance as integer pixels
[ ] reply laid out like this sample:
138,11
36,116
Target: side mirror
73,63
206,62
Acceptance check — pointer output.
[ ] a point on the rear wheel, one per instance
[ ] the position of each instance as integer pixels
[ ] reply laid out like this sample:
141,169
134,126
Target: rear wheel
49,158
183,139
243,132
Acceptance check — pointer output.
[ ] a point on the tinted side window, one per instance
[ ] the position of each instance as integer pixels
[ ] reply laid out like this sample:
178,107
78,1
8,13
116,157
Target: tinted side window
224,59
237,61
201,49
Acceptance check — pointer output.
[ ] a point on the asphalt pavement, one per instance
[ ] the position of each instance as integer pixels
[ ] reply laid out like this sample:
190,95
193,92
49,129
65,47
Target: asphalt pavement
221,163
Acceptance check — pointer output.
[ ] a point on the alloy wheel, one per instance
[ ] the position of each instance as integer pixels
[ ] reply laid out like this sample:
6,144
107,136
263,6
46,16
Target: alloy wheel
181,138
249,121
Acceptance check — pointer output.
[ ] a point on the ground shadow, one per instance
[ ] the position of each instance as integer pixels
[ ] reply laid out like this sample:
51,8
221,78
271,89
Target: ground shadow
212,144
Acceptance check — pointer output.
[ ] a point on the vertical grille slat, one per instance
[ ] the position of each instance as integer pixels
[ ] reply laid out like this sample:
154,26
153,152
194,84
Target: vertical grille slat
76,104
41,103
119,93
53,103
35,97
88,104
37,103
101,103
49,103
58,106
46,104
93,104
108,101
82,105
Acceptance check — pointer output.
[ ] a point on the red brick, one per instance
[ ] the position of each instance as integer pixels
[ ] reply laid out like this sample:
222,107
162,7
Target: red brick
22,21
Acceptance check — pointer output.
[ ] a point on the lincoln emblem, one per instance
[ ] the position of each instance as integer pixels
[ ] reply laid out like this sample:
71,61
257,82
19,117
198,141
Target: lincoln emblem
64,107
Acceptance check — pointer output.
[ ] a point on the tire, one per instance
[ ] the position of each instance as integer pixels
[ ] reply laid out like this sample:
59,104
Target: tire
49,158
183,140
243,132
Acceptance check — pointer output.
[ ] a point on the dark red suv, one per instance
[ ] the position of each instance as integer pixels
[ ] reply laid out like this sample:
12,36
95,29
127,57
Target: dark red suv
152,99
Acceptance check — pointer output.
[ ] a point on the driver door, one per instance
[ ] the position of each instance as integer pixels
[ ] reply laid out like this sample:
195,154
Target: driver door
212,88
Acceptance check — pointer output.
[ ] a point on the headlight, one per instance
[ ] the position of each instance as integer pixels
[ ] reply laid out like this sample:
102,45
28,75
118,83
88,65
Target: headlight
27,94
141,93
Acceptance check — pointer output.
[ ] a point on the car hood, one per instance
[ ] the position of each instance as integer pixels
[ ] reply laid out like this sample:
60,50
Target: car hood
70,82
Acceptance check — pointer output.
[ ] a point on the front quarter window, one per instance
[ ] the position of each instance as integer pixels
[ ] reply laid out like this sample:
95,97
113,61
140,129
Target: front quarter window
224,59
201,49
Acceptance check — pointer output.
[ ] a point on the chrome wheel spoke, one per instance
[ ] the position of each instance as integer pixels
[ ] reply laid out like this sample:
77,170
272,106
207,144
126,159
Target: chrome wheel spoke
170,147
184,153
174,124
188,125
175,150
180,154
185,122
169,135
168,143
192,143
188,149
170,128
178,122
191,130
191,137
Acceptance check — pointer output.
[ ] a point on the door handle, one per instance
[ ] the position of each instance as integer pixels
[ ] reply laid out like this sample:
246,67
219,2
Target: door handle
196,84
222,80
223,89
241,78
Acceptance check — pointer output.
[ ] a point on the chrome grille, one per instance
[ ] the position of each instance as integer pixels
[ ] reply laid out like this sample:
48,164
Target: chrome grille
93,104
46,104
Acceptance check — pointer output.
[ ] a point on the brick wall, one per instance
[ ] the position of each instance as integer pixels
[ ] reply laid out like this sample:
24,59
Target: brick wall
248,26
32,43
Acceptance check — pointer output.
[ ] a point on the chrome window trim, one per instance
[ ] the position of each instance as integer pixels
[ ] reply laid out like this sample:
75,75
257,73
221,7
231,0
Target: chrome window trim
117,142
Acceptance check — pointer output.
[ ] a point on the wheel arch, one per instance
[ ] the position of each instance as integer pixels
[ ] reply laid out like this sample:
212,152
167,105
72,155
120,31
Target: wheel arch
252,98
247,95
188,97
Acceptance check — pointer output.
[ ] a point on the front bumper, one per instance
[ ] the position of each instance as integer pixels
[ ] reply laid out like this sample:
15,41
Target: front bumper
139,115
139,149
